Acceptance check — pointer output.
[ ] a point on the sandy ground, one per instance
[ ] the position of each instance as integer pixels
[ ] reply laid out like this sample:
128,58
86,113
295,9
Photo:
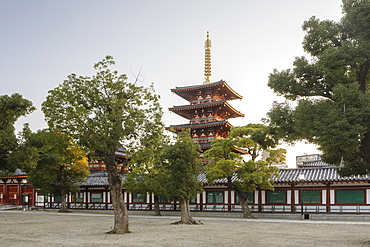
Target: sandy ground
31,228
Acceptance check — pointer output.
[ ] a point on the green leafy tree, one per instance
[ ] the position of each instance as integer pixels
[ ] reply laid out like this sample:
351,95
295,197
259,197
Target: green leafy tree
11,109
331,88
254,138
145,164
105,112
54,163
244,177
181,171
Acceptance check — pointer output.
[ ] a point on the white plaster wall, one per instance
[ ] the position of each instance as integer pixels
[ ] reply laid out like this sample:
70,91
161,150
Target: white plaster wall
289,197
323,196
88,196
148,197
296,197
226,198
104,197
332,197
368,196
263,194
232,193
204,197
256,197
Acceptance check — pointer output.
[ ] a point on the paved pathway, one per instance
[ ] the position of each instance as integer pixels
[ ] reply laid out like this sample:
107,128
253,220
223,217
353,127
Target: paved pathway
202,218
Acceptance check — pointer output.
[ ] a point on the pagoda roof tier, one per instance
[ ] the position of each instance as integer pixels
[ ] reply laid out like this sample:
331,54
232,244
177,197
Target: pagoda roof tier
206,145
188,91
186,111
201,125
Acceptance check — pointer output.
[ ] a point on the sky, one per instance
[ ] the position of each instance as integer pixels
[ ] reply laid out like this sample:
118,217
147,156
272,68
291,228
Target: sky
43,41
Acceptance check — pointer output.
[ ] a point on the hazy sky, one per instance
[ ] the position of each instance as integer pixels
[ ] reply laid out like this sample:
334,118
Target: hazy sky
42,42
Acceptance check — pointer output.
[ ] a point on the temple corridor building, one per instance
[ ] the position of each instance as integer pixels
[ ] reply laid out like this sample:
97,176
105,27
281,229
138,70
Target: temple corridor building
313,187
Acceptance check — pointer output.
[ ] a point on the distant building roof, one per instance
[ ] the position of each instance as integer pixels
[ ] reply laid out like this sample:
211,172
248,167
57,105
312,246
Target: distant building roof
315,163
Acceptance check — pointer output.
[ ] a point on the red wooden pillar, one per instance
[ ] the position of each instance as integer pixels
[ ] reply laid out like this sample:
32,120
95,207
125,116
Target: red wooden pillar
1,194
201,201
293,198
87,198
259,200
106,197
151,202
5,193
328,197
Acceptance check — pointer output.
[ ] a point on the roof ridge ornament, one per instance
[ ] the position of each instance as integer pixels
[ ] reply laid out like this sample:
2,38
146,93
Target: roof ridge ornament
207,59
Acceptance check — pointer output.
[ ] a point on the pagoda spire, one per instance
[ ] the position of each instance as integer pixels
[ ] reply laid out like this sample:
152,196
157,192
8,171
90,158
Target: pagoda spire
207,60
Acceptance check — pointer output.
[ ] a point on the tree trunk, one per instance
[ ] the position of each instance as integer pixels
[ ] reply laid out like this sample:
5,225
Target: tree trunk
119,206
63,206
63,192
185,214
157,211
246,212
365,153
243,199
362,75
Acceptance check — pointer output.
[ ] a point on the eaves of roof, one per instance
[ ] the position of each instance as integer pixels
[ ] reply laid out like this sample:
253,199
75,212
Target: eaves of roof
200,106
200,125
178,90
323,174
316,163
327,174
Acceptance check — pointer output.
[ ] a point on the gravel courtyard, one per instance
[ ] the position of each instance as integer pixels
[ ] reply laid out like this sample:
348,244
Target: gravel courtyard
40,228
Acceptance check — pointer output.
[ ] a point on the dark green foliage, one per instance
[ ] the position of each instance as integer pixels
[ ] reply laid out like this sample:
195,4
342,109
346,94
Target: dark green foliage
54,164
146,165
181,168
11,109
105,112
244,177
337,118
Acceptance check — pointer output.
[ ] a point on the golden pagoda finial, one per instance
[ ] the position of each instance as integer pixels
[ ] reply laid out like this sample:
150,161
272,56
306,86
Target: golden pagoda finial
207,60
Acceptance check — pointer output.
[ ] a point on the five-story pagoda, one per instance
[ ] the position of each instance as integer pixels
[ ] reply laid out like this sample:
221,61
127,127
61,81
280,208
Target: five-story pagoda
208,110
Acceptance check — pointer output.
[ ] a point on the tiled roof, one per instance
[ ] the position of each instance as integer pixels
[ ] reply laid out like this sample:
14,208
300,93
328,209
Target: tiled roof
186,107
200,125
202,178
323,174
329,174
120,152
96,178
316,163
227,106
198,86
179,90
19,172
205,145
